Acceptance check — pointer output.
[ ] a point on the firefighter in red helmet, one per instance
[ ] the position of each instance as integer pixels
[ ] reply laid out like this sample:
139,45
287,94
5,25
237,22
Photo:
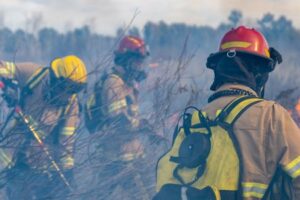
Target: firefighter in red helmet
115,95
113,109
263,134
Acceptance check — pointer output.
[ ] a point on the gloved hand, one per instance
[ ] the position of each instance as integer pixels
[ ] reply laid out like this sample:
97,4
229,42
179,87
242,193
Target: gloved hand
10,92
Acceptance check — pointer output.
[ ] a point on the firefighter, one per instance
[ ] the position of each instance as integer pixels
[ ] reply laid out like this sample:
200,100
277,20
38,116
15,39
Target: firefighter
264,135
39,143
113,108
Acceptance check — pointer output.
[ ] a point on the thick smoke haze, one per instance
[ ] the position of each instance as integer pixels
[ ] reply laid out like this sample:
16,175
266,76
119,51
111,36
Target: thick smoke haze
104,16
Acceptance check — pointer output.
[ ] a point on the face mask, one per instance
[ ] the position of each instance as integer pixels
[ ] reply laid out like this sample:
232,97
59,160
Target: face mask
140,75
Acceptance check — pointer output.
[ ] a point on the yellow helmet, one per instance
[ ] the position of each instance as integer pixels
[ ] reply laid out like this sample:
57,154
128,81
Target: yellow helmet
71,68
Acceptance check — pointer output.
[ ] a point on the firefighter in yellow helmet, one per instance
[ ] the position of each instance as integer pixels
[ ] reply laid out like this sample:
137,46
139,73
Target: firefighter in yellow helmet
38,140
249,146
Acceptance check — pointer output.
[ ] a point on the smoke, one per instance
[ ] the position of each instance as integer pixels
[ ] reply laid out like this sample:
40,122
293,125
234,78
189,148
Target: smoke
108,15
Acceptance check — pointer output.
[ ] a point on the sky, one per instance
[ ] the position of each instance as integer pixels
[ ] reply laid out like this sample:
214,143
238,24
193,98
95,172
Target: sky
105,16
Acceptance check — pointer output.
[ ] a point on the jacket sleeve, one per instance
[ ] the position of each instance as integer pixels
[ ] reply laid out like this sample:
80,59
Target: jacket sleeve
7,69
117,103
68,133
287,143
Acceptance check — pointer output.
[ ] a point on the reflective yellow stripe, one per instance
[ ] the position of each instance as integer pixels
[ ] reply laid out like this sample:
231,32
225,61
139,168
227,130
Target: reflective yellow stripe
135,122
117,105
4,71
235,44
131,156
218,112
37,78
68,162
293,168
68,131
91,101
240,107
72,100
252,189
5,158
134,108
9,69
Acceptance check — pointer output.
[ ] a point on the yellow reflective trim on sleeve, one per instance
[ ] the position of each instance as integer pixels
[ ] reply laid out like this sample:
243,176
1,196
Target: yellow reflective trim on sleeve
117,105
293,168
235,44
4,71
252,189
68,131
8,69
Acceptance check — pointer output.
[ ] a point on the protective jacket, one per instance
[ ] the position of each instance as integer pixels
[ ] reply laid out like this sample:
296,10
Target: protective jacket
114,108
116,99
269,151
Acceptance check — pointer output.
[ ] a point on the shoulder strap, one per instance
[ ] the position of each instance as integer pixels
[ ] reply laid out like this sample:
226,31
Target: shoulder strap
236,108
34,79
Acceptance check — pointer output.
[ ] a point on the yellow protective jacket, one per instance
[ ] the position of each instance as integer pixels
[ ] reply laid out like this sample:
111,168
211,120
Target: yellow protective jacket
55,123
268,139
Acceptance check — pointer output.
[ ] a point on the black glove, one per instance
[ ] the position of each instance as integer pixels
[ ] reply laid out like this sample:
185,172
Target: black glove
11,92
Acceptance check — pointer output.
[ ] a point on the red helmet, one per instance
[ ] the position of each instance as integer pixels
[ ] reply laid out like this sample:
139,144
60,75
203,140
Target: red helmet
242,40
132,44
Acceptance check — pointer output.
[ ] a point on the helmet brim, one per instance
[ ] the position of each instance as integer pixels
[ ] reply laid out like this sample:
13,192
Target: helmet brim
214,59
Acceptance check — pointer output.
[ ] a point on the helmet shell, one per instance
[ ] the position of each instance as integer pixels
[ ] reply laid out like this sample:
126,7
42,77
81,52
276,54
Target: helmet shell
242,40
132,44
70,68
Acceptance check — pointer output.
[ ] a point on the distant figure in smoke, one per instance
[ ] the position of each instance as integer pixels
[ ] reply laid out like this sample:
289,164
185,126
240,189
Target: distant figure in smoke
38,147
113,109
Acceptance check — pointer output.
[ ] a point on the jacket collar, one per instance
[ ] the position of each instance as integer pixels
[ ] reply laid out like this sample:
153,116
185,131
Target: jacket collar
231,86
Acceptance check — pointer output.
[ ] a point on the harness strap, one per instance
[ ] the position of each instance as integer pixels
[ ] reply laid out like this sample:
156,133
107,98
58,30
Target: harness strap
236,108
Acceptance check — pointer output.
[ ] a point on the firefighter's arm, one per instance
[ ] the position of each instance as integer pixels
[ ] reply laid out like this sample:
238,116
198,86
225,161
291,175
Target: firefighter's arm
118,103
7,70
67,135
287,144
13,77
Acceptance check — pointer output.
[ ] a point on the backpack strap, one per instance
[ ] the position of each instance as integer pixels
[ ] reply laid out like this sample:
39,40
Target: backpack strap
228,117
236,108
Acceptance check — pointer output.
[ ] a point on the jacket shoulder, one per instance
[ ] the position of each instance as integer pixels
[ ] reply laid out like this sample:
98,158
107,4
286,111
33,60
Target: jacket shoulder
113,80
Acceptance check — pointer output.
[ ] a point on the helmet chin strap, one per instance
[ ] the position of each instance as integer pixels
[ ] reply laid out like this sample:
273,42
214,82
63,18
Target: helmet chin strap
261,80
